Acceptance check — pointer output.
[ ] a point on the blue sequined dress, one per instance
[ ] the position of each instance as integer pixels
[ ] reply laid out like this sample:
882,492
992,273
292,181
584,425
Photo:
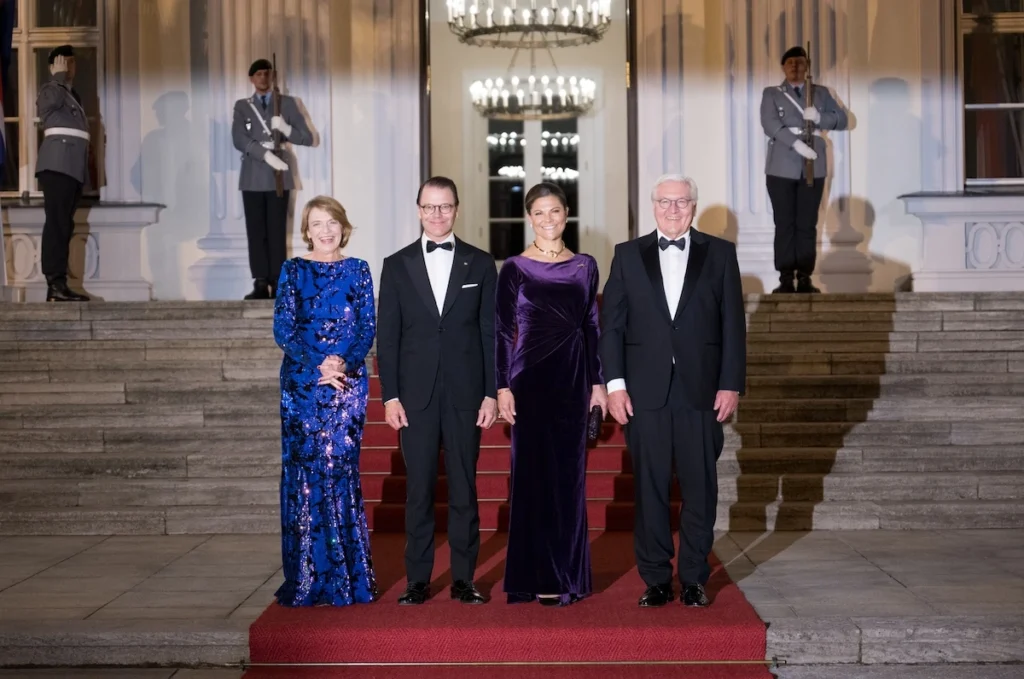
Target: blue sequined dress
323,309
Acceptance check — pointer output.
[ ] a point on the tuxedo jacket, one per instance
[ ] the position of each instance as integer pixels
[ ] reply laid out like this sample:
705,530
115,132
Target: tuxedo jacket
415,343
705,333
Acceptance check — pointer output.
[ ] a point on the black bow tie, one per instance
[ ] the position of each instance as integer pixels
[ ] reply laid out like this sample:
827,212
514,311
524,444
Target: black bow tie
431,246
664,243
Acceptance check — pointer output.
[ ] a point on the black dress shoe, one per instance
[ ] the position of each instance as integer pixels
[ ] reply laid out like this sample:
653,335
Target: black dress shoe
415,594
804,285
466,592
57,290
785,283
694,595
550,600
656,595
260,290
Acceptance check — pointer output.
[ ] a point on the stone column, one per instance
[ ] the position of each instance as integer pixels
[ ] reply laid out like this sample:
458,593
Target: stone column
237,33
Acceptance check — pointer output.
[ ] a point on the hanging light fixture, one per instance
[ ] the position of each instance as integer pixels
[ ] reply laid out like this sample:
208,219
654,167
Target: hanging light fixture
533,97
529,23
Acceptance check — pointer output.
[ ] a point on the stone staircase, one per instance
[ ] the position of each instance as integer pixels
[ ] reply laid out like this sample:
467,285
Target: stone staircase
863,411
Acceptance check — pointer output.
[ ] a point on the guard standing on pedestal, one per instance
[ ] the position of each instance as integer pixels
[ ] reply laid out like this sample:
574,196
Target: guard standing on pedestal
61,168
261,123
793,115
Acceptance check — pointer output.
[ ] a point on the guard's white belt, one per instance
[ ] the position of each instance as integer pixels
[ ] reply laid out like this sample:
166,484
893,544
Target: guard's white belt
66,131
800,130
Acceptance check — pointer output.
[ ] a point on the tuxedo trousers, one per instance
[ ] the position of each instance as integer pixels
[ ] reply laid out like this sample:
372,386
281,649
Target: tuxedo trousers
439,424
691,441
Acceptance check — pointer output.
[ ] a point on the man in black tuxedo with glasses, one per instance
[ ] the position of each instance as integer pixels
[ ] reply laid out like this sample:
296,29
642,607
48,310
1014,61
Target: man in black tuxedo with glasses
673,349
435,351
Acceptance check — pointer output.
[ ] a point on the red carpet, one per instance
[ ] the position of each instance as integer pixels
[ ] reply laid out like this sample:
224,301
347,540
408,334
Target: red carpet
608,627
515,672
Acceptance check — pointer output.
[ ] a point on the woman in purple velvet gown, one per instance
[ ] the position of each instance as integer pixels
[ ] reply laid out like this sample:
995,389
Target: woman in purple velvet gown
548,378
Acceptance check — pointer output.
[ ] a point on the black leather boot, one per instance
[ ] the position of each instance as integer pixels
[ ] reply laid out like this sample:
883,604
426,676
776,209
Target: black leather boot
785,283
57,290
804,284
260,290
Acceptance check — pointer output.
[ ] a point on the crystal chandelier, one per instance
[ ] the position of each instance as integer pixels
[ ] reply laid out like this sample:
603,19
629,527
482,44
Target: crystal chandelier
529,23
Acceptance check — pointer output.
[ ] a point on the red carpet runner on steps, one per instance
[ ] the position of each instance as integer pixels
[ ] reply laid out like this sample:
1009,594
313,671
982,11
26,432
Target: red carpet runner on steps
608,627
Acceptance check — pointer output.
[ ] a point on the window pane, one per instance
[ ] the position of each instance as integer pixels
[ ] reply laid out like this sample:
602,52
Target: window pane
993,68
507,240
504,145
560,164
992,141
85,75
11,87
506,198
65,13
9,180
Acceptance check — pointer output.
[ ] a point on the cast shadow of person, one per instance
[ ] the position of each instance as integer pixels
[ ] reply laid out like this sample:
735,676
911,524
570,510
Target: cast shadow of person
849,266
165,173
815,365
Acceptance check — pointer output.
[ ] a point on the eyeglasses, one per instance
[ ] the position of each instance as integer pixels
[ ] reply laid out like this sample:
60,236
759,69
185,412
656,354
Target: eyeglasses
446,208
681,203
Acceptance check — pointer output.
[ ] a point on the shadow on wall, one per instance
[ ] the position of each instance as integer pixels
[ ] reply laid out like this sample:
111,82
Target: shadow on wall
849,265
721,221
166,173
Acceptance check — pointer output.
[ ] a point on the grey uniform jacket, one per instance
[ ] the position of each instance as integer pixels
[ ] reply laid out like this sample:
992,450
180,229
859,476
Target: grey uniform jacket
779,115
56,106
248,134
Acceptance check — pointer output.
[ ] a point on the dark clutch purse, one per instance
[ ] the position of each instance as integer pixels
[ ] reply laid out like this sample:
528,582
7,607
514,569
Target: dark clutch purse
594,424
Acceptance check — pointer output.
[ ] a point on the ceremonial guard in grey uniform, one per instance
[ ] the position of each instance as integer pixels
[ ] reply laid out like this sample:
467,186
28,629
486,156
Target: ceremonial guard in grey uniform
794,202
62,168
266,213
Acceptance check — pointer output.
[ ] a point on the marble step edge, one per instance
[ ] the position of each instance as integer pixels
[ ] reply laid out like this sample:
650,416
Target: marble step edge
740,516
897,640
85,643
794,641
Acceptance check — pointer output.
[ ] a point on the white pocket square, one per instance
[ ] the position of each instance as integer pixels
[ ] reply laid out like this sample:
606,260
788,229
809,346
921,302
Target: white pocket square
470,285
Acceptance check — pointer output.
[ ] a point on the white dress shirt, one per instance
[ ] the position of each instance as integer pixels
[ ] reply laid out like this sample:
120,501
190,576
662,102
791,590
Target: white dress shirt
673,263
439,268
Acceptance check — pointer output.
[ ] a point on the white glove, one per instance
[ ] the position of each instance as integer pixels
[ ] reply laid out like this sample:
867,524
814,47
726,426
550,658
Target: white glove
59,65
278,123
275,162
811,113
805,150
268,145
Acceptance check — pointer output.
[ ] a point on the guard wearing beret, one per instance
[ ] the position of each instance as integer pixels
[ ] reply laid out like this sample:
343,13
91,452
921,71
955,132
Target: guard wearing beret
794,202
62,168
266,213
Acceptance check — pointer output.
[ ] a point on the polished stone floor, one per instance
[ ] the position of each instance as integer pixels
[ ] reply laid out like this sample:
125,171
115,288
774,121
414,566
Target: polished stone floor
870,597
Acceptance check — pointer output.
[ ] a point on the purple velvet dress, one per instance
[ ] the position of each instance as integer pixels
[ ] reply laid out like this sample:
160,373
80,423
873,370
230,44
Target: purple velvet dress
546,333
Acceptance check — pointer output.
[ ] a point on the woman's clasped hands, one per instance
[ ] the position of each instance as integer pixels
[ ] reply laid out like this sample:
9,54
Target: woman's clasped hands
332,372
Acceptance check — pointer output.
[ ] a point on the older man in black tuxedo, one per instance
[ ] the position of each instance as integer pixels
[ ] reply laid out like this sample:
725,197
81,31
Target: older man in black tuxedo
673,348
435,350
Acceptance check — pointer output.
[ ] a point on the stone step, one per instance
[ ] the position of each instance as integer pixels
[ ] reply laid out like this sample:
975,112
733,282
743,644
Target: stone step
737,516
876,386
89,352
139,643
261,458
127,367
767,488
881,644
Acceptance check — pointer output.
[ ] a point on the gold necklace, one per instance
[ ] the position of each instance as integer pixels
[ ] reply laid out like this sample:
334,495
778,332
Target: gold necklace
548,252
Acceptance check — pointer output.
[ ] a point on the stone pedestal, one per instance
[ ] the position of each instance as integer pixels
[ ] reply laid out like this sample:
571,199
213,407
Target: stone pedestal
105,258
973,242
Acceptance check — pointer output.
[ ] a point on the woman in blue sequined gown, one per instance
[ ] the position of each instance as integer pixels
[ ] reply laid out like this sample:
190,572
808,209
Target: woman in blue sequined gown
324,321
